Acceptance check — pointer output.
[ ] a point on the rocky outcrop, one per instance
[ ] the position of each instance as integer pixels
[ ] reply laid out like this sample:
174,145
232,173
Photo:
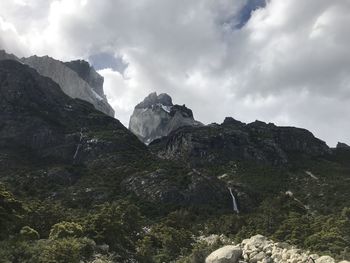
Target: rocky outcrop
259,249
156,116
38,118
341,145
70,81
233,140
4,55
192,188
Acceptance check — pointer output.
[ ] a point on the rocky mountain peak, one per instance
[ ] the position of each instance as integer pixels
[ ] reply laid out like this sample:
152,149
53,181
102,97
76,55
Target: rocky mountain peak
156,116
89,89
77,78
341,145
153,99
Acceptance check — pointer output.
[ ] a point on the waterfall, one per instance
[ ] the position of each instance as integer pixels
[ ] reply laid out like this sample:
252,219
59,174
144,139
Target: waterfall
79,144
234,202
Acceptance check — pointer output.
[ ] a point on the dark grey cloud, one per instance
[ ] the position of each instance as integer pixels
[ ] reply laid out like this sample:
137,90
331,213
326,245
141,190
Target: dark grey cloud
105,60
281,61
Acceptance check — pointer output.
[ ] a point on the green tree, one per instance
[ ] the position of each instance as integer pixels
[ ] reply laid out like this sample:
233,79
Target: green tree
11,212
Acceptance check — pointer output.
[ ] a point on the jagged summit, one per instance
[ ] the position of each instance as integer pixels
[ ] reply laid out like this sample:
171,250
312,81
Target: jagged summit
4,55
156,116
154,99
233,140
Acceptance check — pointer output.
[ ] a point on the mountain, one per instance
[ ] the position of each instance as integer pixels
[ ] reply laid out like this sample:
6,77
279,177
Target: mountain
233,141
36,116
156,116
39,122
76,78
78,186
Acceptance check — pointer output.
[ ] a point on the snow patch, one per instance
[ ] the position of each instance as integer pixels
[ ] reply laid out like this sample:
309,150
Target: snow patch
96,95
311,175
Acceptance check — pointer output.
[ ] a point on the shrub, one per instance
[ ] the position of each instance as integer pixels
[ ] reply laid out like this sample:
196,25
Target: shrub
28,233
66,229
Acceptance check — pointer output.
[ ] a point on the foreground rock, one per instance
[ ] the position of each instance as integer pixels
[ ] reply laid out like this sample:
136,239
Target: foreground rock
259,249
156,116
226,254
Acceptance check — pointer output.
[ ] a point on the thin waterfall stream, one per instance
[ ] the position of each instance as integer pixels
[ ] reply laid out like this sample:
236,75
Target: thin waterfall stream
234,201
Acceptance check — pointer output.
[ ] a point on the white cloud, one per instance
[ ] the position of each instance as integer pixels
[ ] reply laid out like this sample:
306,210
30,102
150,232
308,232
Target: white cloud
290,63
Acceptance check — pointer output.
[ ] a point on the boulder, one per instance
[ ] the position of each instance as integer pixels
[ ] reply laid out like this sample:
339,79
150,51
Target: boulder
226,254
325,259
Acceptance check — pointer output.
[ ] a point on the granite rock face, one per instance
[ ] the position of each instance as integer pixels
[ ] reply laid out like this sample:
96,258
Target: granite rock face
88,73
70,81
156,116
233,140
76,78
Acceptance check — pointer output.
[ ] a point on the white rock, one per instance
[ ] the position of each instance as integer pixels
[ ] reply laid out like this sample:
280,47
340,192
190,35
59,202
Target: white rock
325,259
226,254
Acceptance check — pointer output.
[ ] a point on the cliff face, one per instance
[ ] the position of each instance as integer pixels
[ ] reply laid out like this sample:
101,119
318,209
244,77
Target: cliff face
76,78
88,73
156,116
70,81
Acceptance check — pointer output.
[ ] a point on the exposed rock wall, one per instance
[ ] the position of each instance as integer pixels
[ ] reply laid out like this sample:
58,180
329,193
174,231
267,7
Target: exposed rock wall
69,80
156,116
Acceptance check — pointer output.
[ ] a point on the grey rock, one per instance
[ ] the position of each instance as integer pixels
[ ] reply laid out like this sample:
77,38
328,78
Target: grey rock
226,254
4,56
89,74
76,78
156,116
325,259
70,82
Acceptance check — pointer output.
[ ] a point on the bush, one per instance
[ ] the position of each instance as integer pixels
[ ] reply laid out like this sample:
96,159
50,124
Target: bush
66,229
28,233
117,224
164,244
65,250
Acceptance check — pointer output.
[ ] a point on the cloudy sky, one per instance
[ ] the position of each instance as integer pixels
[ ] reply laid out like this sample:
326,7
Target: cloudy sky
281,61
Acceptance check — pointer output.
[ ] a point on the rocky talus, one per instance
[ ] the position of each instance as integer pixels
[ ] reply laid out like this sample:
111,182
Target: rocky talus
259,249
